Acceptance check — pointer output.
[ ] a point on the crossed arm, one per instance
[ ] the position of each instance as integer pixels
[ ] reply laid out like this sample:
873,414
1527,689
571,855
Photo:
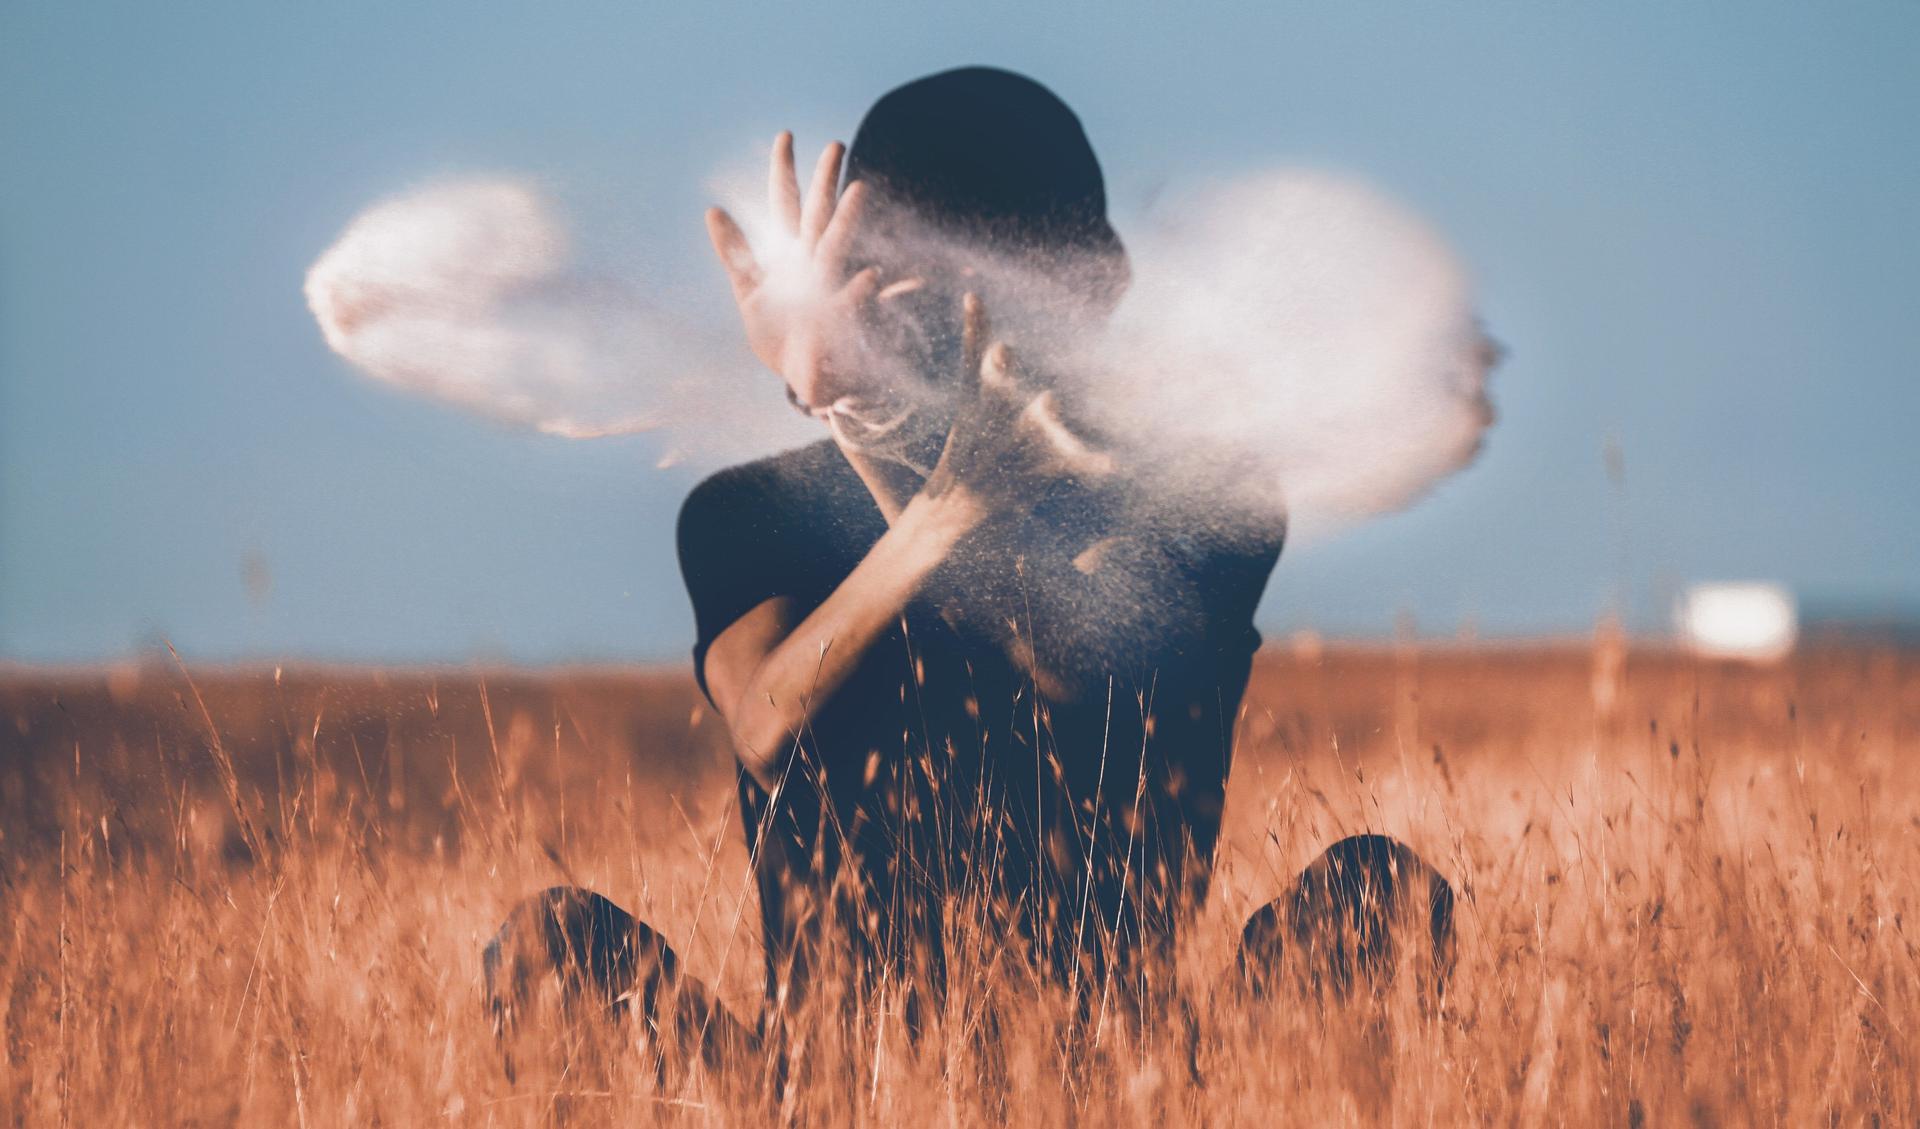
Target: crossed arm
771,670
768,674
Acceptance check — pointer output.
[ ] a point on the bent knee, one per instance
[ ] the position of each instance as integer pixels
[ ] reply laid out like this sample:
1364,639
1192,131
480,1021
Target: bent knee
577,942
1364,904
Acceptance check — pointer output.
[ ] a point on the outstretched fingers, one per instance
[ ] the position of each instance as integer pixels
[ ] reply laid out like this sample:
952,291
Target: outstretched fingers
735,254
1042,415
973,339
836,242
860,287
783,185
996,366
1039,416
817,211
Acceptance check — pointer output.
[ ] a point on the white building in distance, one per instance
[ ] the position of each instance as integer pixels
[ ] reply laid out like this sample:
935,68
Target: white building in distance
1754,620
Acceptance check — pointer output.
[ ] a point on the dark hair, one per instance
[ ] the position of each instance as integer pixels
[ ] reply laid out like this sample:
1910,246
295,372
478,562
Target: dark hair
994,159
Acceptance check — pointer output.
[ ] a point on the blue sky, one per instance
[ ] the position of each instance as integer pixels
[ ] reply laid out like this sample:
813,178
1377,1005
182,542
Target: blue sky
1692,225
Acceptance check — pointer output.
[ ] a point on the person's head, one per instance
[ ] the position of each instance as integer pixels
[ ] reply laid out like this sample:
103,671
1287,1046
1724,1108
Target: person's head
976,168
993,161
981,179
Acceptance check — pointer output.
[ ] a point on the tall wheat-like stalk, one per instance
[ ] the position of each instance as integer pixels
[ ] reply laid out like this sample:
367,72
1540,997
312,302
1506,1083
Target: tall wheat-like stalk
240,899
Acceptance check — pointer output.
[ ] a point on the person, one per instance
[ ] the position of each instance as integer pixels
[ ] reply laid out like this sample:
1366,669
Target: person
967,665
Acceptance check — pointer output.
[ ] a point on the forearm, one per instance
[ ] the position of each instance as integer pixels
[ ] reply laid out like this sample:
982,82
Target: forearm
1057,602
814,660
977,589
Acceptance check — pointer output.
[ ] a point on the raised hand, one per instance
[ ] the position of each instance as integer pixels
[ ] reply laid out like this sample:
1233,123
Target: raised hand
1008,442
798,306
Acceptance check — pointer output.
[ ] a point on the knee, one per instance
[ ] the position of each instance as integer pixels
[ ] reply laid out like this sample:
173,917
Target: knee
566,957
577,944
1354,912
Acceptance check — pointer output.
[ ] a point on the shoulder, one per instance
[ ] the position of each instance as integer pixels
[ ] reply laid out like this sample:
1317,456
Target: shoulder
761,491
756,531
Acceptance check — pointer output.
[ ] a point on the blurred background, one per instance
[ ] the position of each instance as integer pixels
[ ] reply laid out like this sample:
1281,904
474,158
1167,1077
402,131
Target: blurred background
1691,226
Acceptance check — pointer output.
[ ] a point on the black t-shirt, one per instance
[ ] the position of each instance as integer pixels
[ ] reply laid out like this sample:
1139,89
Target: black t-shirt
938,770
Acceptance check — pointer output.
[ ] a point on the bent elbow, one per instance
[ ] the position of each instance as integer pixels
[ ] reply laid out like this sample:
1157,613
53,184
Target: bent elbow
763,738
761,760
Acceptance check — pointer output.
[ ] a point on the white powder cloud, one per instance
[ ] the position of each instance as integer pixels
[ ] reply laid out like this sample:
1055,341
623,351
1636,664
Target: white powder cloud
1292,342
1297,340
466,292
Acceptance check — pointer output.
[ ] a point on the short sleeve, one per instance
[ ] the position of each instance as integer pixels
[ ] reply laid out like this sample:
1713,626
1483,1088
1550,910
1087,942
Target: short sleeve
728,543
1233,578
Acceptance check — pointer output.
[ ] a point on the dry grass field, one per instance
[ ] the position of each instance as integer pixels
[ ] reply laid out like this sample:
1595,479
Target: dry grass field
244,897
